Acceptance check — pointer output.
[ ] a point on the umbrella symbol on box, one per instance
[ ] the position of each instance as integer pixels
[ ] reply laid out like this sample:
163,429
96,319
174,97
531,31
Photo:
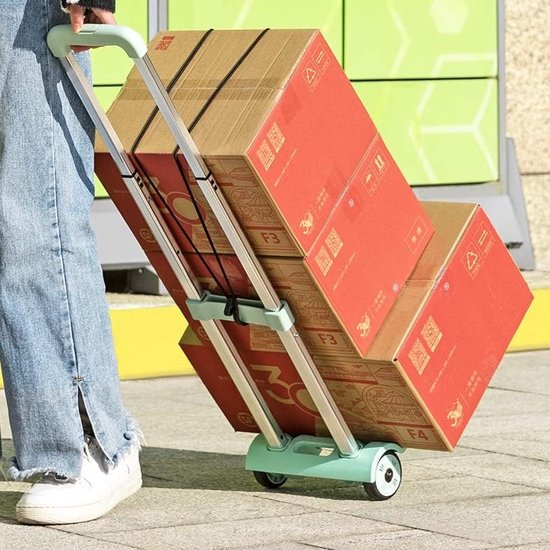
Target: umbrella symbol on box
471,259
310,75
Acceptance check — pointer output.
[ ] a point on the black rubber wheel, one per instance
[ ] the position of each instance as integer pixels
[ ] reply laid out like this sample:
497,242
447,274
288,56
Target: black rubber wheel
388,478
270,481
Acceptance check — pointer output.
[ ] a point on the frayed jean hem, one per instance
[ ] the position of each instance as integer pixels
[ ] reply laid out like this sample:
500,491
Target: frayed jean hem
14,473
133,437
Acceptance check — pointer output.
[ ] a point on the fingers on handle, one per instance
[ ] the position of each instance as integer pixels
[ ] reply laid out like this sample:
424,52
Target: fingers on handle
77,17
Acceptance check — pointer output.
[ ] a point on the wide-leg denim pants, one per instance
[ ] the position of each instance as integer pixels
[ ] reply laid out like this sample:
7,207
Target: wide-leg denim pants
55,336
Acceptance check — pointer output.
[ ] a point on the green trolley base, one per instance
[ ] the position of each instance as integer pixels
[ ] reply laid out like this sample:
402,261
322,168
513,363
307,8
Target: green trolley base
309,456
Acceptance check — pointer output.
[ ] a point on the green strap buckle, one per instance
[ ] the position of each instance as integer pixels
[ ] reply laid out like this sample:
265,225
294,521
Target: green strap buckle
213,307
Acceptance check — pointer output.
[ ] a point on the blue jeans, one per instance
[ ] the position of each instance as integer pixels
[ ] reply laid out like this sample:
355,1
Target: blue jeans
55,336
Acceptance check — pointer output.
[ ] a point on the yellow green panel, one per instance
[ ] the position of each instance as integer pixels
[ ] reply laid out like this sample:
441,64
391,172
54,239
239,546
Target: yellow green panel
259,14
111,65
420,38
439,131
106,96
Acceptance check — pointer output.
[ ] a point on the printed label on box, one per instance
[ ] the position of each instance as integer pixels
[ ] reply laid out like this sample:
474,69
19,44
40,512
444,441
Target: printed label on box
472,261
323,260
276,137
419,356
431,333
485,239
455,414
416,235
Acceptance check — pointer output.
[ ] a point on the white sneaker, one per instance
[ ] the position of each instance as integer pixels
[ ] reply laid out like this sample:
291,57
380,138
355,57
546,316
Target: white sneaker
56,500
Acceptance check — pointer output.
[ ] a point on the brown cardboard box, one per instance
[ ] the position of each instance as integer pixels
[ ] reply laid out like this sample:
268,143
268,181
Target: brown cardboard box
430,363
296,156
316,322
282,136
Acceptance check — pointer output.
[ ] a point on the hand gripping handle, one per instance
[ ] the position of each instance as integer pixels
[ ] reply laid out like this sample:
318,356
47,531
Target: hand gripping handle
61,38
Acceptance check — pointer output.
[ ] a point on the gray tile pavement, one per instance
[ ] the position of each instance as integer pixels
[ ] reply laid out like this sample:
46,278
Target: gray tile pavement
492,492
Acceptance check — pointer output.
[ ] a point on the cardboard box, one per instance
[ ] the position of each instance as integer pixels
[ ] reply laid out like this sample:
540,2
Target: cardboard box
280,385
341,292
433,358
343,289
318,325
284,137
330,192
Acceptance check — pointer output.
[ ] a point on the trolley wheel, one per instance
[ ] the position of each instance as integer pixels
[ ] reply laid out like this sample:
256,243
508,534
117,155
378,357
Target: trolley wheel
270,481
387,478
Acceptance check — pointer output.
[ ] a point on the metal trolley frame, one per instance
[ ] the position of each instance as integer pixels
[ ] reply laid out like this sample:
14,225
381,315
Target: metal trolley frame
273,455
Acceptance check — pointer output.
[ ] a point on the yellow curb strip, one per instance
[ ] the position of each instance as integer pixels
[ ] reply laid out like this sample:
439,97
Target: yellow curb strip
146,342
534,331
146,339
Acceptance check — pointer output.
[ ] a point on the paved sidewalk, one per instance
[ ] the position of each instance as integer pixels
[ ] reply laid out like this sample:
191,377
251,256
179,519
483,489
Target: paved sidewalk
493,492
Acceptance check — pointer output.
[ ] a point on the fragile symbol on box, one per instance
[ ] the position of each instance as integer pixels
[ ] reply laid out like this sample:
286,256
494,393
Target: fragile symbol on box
202,334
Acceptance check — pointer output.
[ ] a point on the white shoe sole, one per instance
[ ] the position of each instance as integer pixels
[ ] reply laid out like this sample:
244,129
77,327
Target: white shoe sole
75,514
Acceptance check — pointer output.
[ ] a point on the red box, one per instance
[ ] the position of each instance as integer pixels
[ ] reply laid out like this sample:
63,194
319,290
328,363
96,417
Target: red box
430,363
300,163
282,147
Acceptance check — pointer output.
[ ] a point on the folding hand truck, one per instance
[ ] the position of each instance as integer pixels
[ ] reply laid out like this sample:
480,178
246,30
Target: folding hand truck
273,455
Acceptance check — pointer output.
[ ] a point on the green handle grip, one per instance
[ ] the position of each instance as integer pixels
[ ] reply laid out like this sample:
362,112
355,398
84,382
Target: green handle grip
61,38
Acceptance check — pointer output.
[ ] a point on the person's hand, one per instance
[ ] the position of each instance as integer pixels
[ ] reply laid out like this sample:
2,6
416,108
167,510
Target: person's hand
80,15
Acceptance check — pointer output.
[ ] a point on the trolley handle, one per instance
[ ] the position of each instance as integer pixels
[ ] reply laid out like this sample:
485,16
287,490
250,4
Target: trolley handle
62,37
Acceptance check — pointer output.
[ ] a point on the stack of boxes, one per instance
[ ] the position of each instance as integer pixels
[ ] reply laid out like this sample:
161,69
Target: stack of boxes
406,326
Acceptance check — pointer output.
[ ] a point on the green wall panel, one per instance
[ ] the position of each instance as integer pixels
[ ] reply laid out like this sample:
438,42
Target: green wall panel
440,131
106,96
258,14
111,65
420,38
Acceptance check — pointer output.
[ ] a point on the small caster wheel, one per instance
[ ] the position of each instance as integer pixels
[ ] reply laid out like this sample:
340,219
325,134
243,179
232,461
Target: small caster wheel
270,481
387,478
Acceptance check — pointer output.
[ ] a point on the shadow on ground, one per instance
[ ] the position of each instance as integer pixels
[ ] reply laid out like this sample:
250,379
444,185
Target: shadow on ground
8,500
166,468
182,469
